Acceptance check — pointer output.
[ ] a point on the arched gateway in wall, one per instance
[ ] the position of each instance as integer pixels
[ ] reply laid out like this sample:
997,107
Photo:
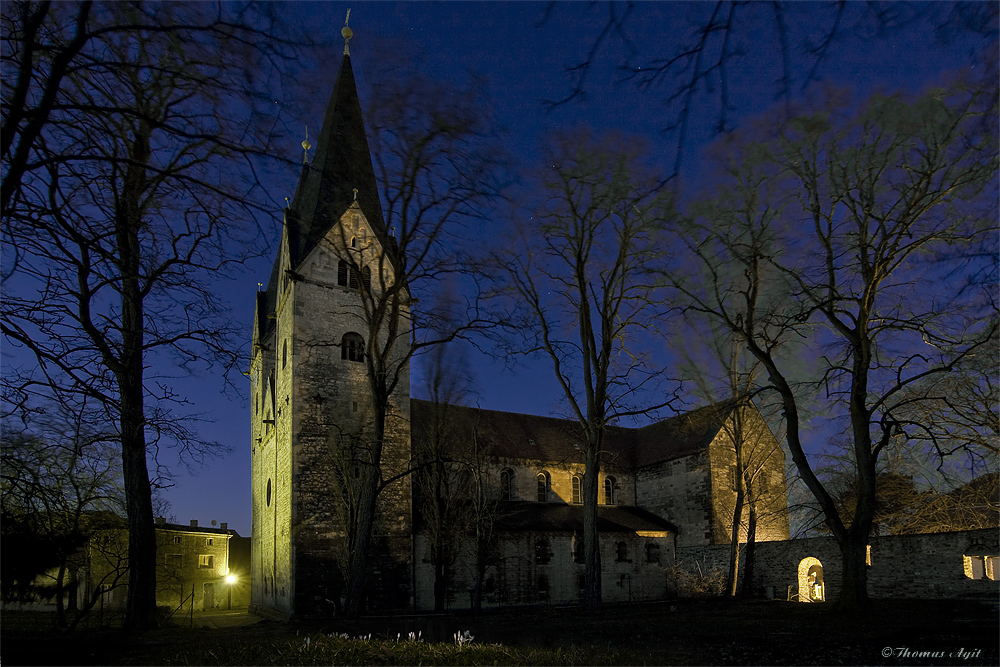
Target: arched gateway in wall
811,586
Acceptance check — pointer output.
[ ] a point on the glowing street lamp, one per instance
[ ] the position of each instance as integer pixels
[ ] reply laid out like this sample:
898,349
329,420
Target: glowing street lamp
230,579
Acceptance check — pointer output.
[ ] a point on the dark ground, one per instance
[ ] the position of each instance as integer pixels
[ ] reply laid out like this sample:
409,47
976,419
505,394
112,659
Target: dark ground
682,632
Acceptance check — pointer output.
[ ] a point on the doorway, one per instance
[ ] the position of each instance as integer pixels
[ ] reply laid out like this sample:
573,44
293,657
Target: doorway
209,597
811,585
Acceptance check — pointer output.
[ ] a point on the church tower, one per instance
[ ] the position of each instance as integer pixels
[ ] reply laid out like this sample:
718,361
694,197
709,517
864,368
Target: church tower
330,338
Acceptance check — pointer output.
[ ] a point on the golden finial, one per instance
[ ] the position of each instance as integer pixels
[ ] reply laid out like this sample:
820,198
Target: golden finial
347,33
355,194
306,146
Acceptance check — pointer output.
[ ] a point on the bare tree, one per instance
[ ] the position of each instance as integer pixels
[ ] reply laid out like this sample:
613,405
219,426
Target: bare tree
830,257
61,484
435,159
575,288
123,122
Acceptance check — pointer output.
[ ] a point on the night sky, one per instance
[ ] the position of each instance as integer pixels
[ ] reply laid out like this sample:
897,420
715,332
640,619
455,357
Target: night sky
524,59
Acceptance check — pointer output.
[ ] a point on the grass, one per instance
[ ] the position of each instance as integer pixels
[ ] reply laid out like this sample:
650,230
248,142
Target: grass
718,632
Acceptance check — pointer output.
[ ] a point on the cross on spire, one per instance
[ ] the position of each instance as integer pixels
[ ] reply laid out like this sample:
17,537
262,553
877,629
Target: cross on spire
347,34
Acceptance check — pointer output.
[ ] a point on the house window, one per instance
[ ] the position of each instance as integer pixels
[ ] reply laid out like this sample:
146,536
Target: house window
506,484
209,541
610,491
577,489
543,553
173,561
544,484
352,347
621,553
206,560
177,539
652,552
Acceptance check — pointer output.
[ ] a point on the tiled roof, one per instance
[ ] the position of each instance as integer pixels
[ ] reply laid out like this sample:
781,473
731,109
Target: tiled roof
560,517
531,437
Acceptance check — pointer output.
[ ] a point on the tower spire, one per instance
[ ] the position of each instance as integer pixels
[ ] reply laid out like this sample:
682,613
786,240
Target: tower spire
347,34
305,147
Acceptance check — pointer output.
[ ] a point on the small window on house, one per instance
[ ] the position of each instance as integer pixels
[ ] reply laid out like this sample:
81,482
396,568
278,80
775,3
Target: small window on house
173,561
544,484
610,491
577,489
342,271
652,552
506,484
578,556
352,347
543,553
621,553
209,541
206,560
177,539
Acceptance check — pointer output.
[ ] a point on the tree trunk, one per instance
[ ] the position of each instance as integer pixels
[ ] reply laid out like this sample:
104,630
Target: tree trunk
732,578
591,544
367,506
140,610
748,554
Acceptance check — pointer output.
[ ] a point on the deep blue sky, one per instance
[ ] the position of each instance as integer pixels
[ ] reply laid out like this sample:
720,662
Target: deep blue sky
524,61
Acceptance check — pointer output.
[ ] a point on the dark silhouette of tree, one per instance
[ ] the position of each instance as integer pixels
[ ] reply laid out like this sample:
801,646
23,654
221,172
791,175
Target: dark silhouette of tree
831,254
575,288
126,130
717,49
61,484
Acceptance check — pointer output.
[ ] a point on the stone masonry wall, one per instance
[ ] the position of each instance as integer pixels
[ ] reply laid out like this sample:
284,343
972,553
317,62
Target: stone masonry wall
679,491
902,566
520,577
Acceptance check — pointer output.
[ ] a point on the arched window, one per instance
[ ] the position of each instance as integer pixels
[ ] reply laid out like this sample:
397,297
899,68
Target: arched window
621,552
342,271
354,241
352,347
544,484
652,552
366,278
577,489
507,484
610,491
543,553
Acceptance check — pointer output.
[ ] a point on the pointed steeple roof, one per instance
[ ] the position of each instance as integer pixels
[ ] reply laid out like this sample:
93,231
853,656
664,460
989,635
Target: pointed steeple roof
341,164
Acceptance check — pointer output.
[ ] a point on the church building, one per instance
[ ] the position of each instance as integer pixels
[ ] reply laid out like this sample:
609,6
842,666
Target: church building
502,519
